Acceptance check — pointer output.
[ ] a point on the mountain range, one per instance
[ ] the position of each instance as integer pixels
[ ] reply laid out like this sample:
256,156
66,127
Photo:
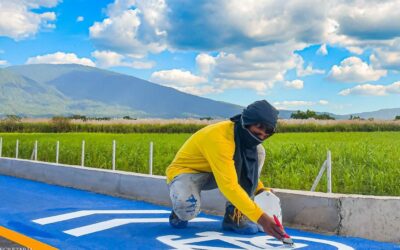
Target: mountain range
46,90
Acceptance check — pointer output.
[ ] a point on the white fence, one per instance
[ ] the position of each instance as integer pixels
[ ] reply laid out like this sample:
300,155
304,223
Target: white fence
327,165
34,155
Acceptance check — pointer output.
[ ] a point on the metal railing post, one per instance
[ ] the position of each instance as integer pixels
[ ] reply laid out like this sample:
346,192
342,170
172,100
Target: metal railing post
329,172
328,166
321,172
16,149
57,151
113,154
36,149
83,154
151,159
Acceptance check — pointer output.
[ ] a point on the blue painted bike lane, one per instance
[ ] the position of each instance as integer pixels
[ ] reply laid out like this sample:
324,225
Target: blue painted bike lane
67,218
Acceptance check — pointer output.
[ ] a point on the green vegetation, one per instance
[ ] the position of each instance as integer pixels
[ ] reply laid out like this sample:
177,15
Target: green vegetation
64,124
397,117
363,163
310,114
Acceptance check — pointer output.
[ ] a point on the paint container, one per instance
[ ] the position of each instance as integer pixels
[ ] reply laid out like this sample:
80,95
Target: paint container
270,204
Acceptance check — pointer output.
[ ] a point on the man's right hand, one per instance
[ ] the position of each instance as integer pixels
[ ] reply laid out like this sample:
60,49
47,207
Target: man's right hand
270,227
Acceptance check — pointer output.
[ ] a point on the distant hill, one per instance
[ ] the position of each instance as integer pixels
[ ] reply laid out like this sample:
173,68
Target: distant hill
383,114
90,91
45,90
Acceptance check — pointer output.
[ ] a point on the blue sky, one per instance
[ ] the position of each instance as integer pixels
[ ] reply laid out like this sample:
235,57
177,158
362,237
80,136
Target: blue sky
336,56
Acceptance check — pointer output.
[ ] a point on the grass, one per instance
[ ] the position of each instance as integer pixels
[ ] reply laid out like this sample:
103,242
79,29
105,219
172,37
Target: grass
183,126
362,163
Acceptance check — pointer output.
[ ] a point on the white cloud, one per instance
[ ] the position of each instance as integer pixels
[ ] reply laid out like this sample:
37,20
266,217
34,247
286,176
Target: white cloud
108,59
298,104
292,104
3,62
256,50
366,19
301,71
354,70
60,58
141,64
184,81
393,88
132,31
372,90
80,19
295,84
198,90
387,57
258,68
323,102
322,50
177,77
363,24
205,63
18,21
259,86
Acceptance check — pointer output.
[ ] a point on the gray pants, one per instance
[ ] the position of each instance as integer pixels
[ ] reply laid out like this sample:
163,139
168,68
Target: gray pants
185,189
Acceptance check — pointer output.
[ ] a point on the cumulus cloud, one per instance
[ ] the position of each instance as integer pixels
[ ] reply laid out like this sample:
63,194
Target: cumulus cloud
295,84
108,59
131,31
323,102
322,50
256,50
387,57
205,63
292,104
18,20
80,19
363,24
259,68
297,104
372,90
260,23
198,90
184,81
309,70
354,70
60,58
176,77
369,20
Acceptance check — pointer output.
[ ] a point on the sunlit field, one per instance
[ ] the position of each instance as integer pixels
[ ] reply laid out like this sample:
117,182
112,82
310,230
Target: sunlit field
362,163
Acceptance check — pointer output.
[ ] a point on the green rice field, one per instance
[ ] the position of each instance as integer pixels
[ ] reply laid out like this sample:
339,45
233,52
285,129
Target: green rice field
362,162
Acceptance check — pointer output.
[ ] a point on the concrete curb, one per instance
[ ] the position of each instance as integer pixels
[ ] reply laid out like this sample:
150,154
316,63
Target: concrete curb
372,217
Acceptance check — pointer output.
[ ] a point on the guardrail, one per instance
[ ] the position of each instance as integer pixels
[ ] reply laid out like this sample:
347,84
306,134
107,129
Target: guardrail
113,157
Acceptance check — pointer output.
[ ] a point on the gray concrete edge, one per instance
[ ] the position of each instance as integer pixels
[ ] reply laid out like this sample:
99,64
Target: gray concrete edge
372,217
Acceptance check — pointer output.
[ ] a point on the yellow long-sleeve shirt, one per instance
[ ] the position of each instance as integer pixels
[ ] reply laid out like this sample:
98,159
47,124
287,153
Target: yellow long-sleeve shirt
211,149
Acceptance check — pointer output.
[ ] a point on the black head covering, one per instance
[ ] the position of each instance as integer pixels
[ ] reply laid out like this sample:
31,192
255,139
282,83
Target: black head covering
246,157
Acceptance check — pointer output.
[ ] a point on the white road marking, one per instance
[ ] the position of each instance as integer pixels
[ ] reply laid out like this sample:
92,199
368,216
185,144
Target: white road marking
82,213
252,243
104,225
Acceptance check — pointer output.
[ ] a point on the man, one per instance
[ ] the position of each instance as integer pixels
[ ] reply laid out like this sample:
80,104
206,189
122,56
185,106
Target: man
227,155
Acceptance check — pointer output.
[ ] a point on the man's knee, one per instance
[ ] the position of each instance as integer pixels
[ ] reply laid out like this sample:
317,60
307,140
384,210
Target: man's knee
186,207
185,196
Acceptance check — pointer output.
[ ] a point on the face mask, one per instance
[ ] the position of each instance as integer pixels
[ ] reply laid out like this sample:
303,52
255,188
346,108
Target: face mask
248,139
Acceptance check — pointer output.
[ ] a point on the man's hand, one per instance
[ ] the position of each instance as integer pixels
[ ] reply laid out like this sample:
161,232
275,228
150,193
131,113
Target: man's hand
270,227
266,189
